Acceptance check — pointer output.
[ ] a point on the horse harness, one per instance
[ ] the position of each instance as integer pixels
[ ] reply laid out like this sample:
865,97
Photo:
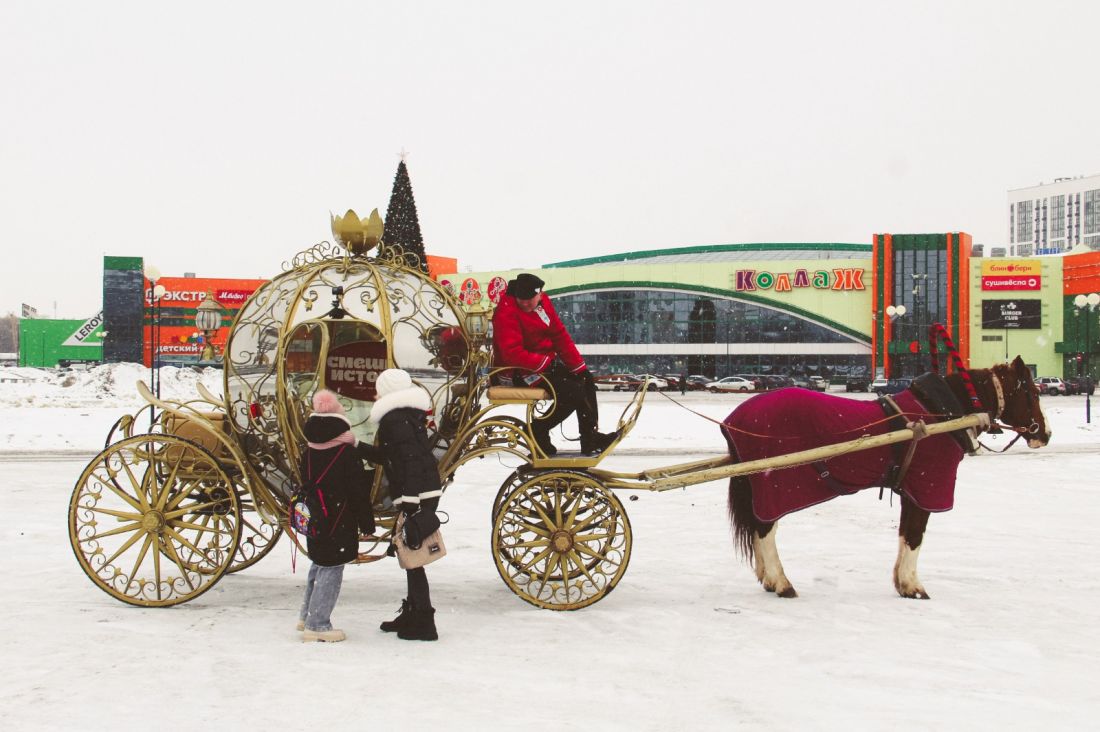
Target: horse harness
932,391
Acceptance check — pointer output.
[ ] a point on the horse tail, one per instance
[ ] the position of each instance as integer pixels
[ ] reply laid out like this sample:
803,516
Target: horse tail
742,517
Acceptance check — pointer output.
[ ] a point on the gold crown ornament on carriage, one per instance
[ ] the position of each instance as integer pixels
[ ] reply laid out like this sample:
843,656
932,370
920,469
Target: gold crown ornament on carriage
357,235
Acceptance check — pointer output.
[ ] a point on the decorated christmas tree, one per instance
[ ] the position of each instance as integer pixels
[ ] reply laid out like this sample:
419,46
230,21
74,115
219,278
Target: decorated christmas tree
402,225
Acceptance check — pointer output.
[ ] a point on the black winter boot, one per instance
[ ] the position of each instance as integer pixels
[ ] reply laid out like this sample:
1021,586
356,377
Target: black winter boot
420,626
541,431
594,443
393,626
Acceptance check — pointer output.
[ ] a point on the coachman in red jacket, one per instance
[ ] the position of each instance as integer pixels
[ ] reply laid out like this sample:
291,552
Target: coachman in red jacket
528,335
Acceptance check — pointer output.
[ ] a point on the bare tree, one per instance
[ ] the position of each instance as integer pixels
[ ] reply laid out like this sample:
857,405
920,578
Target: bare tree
9,333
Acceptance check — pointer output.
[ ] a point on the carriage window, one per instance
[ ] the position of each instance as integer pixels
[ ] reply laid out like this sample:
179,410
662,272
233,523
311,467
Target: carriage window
356,356
303,351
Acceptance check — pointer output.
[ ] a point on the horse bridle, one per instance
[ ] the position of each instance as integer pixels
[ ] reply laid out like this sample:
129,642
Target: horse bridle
1002,401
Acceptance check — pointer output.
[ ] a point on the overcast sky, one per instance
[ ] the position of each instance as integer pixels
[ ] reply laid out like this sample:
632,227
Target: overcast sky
216,137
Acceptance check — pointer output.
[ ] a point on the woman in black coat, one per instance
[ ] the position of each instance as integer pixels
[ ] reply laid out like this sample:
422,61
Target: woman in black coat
405,454
332,464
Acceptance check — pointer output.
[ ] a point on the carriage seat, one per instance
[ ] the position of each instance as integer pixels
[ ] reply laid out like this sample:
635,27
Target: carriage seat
516,395
189,429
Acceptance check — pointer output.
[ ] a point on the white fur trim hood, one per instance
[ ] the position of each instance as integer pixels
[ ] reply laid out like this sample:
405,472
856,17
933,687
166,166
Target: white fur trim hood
413,397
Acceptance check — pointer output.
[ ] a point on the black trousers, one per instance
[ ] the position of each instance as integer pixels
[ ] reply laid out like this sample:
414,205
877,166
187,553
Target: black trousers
574,394
419,595
417,579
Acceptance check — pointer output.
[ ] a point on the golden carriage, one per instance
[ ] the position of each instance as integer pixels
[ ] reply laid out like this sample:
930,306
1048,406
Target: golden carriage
160,515
163,513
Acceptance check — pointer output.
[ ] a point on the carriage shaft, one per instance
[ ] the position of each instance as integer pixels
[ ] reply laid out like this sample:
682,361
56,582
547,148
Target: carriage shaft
704,471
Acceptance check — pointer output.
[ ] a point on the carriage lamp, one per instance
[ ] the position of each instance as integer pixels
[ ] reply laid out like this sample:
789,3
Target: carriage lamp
1081,302
208,318
477,324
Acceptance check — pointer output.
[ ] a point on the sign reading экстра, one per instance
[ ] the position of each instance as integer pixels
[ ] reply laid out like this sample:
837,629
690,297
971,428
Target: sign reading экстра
1021,314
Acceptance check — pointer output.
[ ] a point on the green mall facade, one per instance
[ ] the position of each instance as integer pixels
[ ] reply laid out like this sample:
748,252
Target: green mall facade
829,309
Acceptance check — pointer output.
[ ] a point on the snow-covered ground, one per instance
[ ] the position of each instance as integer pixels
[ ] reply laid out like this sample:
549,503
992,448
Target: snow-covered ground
688,640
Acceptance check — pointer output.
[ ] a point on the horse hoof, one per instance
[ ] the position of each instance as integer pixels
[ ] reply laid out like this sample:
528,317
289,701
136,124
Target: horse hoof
916,595
789,592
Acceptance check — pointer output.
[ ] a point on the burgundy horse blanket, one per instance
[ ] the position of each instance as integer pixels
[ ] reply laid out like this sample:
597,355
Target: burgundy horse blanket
791,420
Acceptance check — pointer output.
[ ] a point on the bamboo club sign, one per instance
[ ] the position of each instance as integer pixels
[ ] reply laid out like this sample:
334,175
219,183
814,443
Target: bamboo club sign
749,280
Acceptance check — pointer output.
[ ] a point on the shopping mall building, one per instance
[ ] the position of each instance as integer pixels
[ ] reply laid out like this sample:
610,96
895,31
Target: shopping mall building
801,308
829,309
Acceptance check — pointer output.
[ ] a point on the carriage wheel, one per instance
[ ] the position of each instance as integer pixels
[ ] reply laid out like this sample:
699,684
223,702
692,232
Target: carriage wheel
510,483
561,540
258,537
154,520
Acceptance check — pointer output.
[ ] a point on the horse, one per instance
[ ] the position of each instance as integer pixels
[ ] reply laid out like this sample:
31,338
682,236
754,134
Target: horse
790,420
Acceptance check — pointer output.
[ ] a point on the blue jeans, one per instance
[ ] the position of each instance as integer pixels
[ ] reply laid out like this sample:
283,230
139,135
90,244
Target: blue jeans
322,590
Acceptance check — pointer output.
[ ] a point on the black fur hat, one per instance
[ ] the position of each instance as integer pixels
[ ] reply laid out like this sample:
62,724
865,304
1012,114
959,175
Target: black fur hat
525,286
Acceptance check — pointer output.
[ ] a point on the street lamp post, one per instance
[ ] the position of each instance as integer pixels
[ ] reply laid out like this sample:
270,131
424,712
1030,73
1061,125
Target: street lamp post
1081,302
893,312
157,292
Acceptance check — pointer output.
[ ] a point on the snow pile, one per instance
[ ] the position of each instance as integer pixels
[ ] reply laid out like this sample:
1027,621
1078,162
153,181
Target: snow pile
110,385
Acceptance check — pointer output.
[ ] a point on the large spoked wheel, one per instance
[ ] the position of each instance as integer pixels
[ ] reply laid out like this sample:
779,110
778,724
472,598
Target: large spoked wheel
258,537
561,540
154,520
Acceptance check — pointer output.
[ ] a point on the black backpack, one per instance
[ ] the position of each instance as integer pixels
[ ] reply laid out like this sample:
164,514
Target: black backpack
310,516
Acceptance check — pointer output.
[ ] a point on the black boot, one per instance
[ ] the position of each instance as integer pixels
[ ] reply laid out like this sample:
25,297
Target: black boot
420,626
594,443
541,431
402,619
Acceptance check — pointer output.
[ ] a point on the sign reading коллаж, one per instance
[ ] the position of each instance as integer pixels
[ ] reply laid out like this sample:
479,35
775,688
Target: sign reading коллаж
1023,314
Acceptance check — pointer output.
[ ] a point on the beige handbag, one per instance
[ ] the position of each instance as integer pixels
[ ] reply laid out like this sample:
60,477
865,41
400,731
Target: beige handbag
430,549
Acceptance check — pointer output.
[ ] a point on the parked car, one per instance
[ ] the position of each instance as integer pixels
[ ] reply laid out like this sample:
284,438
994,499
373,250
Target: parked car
857,383
800,381
819,383
773,381
731,383
1080,385
655,382
890,386
698,382
1051,385
756,379
618,382
673,381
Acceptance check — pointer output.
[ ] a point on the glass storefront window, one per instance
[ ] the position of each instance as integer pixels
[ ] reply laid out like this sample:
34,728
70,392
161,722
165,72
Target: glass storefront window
630,317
